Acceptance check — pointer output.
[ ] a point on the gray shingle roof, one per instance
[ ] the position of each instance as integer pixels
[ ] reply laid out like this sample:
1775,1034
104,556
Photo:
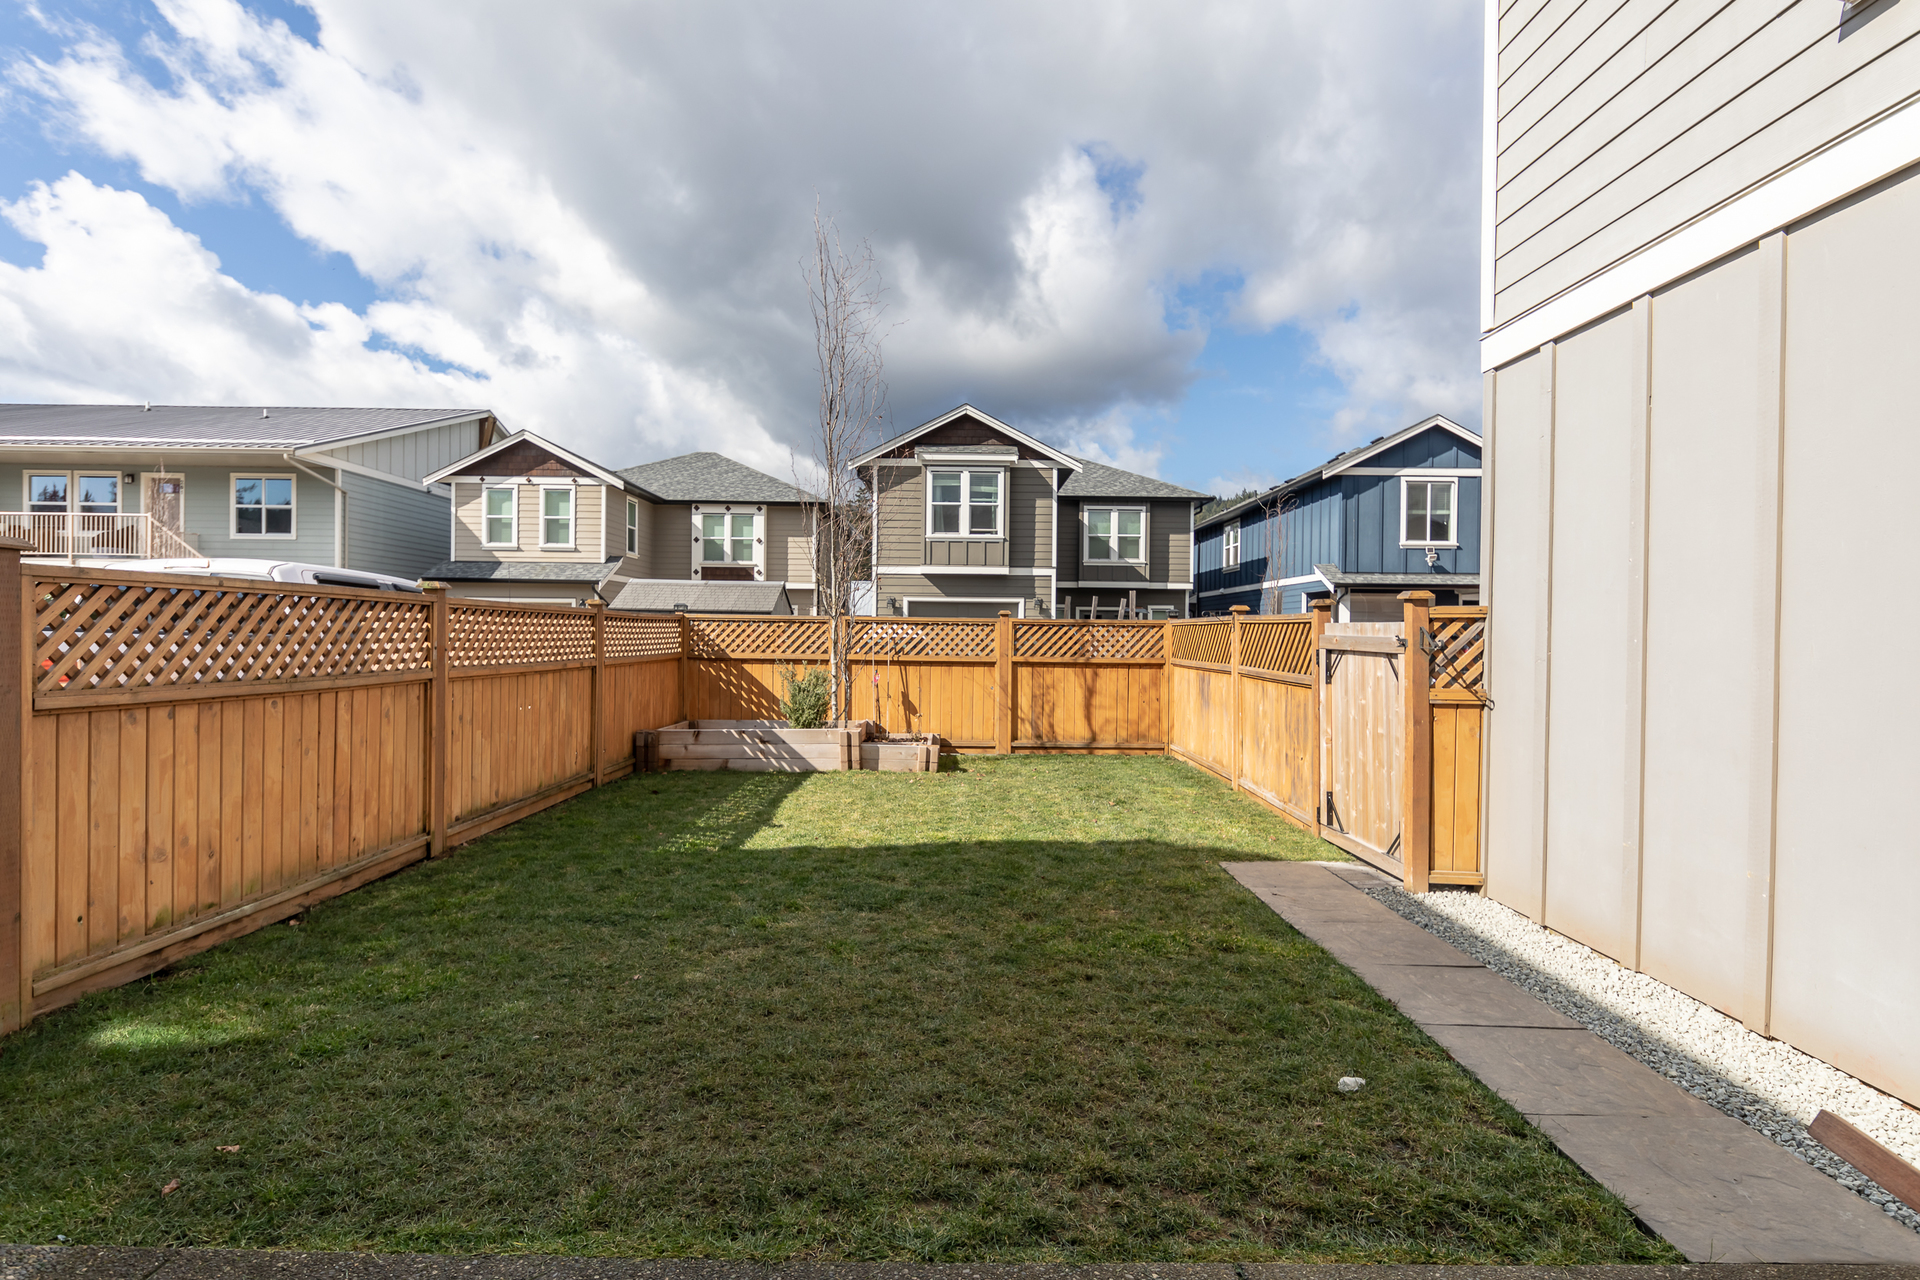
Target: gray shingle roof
710,477
1098,480
203,426
664,595
520,571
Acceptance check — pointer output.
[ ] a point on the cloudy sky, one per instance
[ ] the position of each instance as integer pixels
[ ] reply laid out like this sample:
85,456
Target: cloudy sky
1212,242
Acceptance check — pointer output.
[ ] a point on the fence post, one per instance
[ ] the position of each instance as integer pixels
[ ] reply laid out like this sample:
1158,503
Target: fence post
440,718
1416,825
1166,687
686,644
1003,680
1322,610
16,693
1233,693
598,716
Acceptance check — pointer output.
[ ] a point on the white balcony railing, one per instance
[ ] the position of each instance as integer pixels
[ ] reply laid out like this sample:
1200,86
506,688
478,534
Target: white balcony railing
134,535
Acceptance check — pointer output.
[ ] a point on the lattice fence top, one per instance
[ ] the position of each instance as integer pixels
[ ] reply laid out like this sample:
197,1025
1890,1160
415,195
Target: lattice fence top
1275,645
485,635
104,637
906,638
1090,640
762,637
1459,650
1202,642
634,635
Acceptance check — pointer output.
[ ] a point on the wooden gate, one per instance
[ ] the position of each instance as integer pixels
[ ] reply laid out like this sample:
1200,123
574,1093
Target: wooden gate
1363,719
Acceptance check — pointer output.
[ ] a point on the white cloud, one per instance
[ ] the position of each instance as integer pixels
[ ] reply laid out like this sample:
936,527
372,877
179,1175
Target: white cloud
596,210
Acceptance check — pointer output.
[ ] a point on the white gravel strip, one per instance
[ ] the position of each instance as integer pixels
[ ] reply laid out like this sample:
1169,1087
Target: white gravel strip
1770,1085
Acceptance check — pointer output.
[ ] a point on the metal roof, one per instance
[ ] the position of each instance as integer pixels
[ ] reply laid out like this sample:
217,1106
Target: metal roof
1098,480
520,571
710,477
669,595
172,426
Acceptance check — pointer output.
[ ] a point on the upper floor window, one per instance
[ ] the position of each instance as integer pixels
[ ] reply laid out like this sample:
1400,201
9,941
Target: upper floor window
633,527
1230,545
727,537
964,504
1427,513
55,493
501,516
1116,533
556,517
263,506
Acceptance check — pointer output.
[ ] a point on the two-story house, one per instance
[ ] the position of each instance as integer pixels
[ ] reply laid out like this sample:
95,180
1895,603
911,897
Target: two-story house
972,516
531,520
1400,512
96,484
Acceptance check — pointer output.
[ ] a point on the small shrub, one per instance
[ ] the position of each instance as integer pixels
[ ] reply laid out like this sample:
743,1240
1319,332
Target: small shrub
805,704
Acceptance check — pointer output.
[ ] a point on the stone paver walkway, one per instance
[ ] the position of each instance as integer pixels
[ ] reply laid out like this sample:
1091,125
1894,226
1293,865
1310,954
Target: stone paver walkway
1715,1189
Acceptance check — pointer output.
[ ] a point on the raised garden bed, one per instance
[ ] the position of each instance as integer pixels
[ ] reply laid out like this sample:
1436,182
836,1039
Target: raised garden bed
775,746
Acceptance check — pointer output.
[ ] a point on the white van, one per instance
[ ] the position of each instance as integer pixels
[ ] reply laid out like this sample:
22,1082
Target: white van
319,575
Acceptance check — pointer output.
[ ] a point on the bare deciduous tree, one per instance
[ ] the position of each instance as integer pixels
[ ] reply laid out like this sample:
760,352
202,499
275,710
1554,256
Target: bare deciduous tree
846,296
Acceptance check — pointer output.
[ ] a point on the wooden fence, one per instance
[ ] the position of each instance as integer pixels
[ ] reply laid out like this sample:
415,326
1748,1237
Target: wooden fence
199,757
1368,740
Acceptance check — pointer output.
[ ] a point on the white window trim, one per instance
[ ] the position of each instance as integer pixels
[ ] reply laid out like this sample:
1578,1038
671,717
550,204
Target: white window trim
1453,507
233,508
759,511
632,543
1146,519
1234,529
513,513
73,475
573,517
966,480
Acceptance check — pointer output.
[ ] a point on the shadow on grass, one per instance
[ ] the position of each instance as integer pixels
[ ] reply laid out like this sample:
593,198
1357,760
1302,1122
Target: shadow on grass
771,1016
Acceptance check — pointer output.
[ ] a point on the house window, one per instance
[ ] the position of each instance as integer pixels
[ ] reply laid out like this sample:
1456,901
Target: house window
501,516
263,506
1230,545
1427,510
556,517
1115,533
633,527
963,504
727,538
50,493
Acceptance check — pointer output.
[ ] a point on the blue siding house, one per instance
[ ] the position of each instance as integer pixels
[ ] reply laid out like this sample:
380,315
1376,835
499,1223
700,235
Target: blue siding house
1400,512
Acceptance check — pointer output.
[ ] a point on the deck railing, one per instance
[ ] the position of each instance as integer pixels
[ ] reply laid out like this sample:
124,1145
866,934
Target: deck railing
133,535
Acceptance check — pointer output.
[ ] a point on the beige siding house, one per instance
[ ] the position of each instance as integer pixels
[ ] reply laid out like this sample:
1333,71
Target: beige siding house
1700,260
533,521
972,516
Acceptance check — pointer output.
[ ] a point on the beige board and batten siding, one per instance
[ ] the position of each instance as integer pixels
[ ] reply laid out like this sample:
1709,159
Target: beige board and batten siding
1690,106
1712,788
789,555
469,510
902,518
416,453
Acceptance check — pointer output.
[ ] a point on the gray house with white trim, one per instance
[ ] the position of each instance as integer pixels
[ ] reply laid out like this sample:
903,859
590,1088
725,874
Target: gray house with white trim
343,487
973,516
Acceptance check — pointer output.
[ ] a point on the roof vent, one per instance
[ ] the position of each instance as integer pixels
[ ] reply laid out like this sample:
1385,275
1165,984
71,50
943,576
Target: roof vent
147,407
263,413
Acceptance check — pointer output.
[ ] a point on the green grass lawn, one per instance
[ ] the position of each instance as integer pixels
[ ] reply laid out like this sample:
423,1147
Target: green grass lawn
1014,1012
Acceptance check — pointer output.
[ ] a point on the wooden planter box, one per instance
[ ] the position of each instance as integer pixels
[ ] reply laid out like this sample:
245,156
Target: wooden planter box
772,746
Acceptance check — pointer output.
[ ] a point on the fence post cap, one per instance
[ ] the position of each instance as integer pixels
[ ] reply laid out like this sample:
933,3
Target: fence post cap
1006,613
10,543
1240,608
1320,602
1417,597
426,585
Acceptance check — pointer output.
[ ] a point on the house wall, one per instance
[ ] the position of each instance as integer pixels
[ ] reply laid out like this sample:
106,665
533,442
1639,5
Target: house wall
1169,545
394,528
901,526
789,549
469,512
996,587
671,553
208,512
416,454
1687,770
1618,124
614,528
